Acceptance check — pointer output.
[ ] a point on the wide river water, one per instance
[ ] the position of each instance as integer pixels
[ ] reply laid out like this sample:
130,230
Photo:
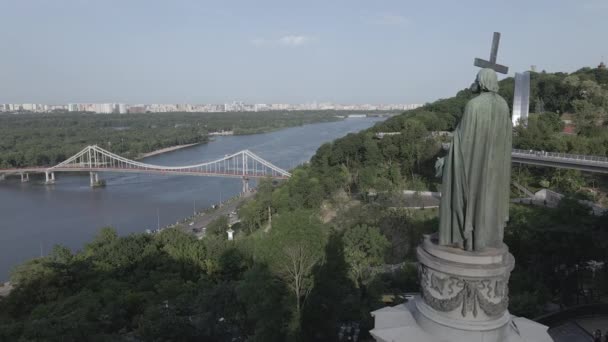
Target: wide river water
34,217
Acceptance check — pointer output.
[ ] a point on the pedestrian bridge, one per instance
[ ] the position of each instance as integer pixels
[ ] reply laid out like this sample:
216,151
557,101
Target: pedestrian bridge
93,159
246,165
561,160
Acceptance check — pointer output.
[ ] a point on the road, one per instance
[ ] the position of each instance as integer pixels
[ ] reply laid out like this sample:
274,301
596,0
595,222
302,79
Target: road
202,220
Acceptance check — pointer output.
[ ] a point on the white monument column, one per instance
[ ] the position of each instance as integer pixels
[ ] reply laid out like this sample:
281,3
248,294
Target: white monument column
521,99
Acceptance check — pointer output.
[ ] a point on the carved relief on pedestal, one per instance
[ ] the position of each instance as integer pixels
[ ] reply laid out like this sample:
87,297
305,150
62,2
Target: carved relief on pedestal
446,293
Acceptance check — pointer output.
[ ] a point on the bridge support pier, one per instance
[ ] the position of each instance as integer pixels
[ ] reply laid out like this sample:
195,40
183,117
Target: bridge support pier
2,177
245,185
25,177
49,177
95,182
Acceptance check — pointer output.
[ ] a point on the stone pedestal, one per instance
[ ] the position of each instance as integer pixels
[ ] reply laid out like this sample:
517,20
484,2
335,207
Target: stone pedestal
464,296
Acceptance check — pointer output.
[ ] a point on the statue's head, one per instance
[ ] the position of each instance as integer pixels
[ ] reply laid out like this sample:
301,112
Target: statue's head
486,81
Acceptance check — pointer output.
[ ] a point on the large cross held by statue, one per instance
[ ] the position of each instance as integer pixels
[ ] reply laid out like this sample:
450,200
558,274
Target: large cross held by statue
493,53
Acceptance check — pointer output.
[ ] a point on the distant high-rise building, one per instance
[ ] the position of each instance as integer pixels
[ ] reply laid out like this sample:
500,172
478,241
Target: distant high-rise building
137,109
121,108
28,106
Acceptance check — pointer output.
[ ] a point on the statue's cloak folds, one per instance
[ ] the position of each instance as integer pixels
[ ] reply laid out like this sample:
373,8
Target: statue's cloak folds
476,173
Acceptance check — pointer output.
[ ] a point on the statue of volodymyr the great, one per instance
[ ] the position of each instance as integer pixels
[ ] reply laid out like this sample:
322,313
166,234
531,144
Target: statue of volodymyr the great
476,172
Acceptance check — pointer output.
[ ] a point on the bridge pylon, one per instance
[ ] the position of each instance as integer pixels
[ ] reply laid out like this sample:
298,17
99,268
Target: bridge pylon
245,185
25,177
95,182
49,177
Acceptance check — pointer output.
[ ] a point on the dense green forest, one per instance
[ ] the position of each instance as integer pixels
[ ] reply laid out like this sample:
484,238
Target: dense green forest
47,139
313,254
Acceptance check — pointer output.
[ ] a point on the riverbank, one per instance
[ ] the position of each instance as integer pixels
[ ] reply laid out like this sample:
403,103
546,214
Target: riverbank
212,135
237,131
165,150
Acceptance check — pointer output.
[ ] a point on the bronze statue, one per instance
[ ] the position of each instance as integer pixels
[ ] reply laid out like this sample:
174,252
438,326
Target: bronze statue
476,172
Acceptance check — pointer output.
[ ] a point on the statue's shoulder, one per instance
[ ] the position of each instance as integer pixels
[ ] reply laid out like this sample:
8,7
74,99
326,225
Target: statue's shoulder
485,99
500,98
502,102
475,102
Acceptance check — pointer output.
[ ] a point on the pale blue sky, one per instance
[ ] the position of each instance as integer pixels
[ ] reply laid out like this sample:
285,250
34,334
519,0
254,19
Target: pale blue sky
351,51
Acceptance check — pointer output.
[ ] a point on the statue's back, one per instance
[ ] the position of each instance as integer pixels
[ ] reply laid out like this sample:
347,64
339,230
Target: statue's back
475,190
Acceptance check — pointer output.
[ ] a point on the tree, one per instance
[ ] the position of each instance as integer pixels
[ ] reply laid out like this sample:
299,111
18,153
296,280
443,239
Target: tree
371,152
334,298
567,181
364,248
182,247
262,295
295,246
412,144
219,226
251,215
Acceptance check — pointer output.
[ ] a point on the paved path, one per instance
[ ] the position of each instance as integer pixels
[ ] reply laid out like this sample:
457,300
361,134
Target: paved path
590,324
569,332
418,201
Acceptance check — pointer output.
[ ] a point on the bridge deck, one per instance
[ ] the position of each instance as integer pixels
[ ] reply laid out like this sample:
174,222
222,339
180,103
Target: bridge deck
235,174
242,164
561,160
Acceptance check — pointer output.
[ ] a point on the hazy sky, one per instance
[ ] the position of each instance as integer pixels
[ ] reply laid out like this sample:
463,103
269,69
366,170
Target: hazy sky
351,51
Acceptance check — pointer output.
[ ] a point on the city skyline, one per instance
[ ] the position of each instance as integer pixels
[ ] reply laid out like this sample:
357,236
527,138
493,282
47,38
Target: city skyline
235,106
268,51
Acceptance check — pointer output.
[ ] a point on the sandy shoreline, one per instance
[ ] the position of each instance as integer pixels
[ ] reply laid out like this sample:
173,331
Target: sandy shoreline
165,150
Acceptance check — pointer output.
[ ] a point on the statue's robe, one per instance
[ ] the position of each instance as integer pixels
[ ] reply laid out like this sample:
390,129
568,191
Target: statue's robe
476,173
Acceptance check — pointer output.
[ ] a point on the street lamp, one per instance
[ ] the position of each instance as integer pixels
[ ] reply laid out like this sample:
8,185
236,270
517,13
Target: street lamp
158,218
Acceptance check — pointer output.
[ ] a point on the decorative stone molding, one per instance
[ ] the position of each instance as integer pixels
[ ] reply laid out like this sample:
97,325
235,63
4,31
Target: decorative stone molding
446,293
468,286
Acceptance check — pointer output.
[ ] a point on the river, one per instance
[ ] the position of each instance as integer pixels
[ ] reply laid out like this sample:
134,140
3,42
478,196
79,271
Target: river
34,217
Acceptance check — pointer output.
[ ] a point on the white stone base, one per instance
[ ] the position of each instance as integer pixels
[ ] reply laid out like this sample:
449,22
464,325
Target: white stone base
464,297
401,324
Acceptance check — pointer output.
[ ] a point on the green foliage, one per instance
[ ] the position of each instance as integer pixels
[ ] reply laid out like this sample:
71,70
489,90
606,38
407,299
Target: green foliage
538,237
262,295
364,248
47,139
295,246
218,226
253,214
147,287
334,298
541,133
